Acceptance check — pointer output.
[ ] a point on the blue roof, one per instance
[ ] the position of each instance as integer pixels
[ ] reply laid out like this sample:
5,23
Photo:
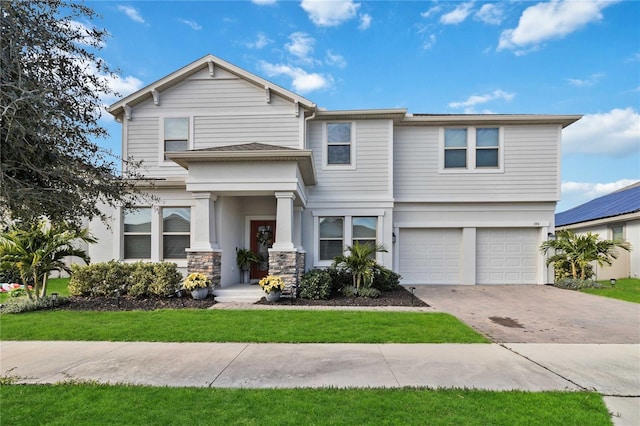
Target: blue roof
626,200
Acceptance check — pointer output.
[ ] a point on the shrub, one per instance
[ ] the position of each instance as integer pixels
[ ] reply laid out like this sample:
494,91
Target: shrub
10,274
339,279
385,279
576,284
141,279
22,304
18,292
352,291
316,284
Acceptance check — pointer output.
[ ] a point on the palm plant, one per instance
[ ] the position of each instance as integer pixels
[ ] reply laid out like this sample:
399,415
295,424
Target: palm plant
359,262
40,248
576,251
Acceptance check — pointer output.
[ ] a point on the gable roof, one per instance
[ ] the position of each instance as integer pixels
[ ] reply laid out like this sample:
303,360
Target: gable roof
211,62
623,201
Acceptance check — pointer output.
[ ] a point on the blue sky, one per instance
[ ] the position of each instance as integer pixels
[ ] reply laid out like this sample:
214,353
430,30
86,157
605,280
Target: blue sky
512,57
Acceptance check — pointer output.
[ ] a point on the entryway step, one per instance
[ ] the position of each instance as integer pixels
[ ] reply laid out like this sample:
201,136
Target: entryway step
239,293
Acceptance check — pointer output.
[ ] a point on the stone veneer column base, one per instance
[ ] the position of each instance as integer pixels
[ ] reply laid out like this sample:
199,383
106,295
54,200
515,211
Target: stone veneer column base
207,262
288,265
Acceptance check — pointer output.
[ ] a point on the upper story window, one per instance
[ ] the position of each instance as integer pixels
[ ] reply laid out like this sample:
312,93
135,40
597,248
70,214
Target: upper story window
176,232
339,144
472,149
617,233
176,134
455,148
137,233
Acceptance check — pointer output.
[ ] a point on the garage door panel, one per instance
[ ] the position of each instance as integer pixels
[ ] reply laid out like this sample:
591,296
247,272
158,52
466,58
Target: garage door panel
506,256
430,256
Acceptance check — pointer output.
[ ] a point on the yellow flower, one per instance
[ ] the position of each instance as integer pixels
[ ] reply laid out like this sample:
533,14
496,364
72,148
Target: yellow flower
196,280
271,283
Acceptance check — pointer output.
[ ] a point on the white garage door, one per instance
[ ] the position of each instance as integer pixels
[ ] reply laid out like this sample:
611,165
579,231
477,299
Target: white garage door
507,256
430,256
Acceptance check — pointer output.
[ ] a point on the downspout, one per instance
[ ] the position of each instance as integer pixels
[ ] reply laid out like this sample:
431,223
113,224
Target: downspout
304,136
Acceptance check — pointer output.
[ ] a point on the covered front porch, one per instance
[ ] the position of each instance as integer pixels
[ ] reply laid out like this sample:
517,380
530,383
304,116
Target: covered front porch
247,197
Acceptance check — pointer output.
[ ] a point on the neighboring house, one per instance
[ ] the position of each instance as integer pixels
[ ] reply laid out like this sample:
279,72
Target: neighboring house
455,199
613,217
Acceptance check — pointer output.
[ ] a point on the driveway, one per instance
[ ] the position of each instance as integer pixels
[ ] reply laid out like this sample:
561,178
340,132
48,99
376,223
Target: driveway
537,313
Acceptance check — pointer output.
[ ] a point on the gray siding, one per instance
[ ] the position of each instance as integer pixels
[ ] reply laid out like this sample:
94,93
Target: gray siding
371,177
225,110
530,168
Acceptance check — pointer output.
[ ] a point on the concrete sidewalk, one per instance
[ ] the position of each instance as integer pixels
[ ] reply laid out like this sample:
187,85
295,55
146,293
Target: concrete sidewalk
612,370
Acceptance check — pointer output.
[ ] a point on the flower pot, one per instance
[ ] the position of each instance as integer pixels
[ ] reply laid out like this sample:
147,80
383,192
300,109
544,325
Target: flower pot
200,293
274,296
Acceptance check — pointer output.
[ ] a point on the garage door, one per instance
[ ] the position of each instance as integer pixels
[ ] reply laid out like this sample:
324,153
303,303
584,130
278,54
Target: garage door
507,256
430,256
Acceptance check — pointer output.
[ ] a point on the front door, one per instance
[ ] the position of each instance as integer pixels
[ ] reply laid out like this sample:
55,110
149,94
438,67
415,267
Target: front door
263,234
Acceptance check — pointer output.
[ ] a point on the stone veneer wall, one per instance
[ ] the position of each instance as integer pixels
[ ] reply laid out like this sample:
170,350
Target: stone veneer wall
207,262
288,265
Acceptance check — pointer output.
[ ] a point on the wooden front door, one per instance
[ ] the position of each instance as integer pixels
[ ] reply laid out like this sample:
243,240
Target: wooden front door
263,234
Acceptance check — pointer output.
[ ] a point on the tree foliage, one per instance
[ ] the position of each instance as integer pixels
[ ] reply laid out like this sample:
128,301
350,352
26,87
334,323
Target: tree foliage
50,100
359,262
575,252
38,249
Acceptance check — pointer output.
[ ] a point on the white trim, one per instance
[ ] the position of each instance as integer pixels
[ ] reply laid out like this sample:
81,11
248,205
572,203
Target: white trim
471,151
472,224
325,160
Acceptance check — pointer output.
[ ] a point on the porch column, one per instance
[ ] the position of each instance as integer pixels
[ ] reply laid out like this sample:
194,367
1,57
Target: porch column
204,225
205,255
284,222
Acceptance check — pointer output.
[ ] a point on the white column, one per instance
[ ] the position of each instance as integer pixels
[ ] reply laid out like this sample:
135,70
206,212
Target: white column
204,224
468,257
297,227
284,222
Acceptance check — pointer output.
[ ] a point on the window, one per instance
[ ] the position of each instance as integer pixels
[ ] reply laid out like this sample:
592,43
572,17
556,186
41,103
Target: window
364,230
137,233
176,232
617,233
487,143
176,134
455,148
471,150
339,143
331,237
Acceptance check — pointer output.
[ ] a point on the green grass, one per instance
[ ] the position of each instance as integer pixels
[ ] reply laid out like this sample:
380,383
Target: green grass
625,289
274,326
58,285
87,404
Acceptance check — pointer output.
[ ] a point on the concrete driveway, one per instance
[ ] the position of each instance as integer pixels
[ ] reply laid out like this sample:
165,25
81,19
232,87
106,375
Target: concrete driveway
537,314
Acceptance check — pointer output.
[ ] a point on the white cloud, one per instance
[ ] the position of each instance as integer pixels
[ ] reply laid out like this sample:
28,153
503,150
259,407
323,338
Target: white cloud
365,22
301,46
132,13
264,2
124,86
490,13
335,59
589,81
429,43
616,133
432,11
329,13
474,100
302,81
193,24
577,193
549,20
261,41
458,15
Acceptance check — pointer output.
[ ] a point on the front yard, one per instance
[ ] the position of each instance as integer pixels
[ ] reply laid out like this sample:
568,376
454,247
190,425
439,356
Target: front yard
625,289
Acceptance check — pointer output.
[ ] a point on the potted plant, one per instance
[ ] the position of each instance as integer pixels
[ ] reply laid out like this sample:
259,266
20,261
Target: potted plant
273,286
198,284
244,259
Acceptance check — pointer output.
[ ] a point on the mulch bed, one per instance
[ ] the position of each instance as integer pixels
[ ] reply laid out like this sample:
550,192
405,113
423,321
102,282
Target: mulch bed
399,297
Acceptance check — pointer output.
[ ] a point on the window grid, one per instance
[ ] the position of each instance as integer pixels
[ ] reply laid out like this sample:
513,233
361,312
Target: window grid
137,233
339,146
176,232
331,237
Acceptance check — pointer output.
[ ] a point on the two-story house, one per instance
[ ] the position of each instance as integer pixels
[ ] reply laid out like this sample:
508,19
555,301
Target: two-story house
239,162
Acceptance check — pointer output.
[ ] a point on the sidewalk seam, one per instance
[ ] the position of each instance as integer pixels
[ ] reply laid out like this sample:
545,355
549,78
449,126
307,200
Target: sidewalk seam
228,365
388,366
547,368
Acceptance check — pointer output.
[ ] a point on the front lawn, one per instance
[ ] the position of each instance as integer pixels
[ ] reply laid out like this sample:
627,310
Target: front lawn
127,405
57,285
625,289
262,326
